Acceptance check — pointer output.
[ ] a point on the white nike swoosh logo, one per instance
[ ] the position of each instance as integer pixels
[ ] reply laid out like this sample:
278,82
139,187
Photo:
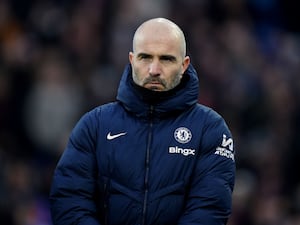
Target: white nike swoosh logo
110,136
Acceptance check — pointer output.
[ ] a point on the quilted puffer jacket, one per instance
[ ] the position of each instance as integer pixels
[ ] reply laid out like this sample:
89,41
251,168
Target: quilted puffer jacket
149,158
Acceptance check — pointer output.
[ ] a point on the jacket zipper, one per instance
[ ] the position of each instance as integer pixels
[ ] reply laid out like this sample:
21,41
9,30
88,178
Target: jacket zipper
105,204
147,161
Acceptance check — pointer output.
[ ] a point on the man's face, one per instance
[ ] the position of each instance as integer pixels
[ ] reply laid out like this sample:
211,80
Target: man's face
157,62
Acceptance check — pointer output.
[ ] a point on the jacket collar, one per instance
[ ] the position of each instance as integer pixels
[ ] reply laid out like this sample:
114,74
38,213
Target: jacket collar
140,101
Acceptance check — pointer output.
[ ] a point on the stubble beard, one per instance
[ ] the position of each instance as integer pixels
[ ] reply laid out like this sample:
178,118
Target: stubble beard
174,82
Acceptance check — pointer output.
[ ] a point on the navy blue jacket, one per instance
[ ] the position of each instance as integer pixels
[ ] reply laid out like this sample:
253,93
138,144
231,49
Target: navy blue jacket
141,161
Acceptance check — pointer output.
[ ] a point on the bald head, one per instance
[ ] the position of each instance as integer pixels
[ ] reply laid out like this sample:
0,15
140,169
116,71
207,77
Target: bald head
160,29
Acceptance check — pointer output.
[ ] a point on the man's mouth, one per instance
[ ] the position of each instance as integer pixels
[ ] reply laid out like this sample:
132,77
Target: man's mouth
154,85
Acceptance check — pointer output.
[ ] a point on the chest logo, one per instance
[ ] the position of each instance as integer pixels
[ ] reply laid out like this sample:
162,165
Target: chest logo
111,137
183,135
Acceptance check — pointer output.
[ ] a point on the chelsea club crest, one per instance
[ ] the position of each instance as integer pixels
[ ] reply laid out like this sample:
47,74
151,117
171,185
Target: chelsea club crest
183,135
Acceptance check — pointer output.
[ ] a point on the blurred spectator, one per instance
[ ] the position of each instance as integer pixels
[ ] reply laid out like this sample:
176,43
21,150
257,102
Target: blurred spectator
53,104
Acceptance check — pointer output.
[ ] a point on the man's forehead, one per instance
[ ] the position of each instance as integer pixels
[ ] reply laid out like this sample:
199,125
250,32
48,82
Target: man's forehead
157,48
156,40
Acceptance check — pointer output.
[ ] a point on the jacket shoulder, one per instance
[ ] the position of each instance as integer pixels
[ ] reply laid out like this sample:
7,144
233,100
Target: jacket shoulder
103,108
89,122
215,128
208,113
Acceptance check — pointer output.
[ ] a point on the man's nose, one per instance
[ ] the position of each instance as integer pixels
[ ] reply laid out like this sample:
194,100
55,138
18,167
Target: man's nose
154,68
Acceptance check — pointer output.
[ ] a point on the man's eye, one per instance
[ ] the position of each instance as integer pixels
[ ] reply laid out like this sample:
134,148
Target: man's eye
143,56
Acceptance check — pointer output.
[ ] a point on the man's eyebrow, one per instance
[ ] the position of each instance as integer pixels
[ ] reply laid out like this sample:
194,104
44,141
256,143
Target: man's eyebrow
168,57
142,54
163,57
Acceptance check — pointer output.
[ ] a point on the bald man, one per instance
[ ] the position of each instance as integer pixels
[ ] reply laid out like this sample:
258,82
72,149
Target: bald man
155,156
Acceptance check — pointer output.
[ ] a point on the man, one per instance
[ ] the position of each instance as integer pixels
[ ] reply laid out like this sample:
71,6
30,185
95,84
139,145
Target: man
153,157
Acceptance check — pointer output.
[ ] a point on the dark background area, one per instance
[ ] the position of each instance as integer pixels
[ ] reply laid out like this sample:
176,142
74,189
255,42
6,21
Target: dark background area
59,59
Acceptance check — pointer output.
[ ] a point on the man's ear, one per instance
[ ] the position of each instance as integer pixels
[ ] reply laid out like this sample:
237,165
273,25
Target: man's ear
130,57
185,63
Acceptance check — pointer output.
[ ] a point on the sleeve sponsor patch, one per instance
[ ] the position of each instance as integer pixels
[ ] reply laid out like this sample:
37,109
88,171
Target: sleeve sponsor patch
226,148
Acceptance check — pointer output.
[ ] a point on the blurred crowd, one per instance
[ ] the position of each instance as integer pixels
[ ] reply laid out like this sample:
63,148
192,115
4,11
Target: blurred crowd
61,58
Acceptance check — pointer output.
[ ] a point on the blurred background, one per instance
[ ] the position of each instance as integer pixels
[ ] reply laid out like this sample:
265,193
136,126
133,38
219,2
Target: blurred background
59,59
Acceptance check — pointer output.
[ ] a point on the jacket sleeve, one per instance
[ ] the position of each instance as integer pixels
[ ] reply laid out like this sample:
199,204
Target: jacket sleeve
73,187
210,195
